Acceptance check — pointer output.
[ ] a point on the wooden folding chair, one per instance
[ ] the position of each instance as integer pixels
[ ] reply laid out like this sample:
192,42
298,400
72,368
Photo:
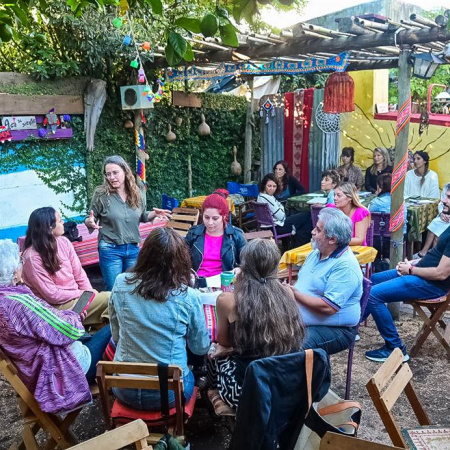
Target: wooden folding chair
334,441
35,419
131,377
436,309
385,387
135,432
183,219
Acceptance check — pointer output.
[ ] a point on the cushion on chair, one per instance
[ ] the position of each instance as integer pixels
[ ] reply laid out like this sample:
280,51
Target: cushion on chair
121,413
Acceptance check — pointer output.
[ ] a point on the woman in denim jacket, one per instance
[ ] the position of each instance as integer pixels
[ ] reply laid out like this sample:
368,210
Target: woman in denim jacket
215,245
154,314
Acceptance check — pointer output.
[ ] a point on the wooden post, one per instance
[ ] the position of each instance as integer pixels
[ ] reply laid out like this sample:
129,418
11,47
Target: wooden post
141,155
400,164
249,136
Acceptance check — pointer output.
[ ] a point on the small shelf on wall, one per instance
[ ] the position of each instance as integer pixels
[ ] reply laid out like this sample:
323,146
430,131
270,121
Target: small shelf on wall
435,119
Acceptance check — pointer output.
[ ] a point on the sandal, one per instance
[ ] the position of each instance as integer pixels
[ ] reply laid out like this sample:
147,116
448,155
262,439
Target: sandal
220,407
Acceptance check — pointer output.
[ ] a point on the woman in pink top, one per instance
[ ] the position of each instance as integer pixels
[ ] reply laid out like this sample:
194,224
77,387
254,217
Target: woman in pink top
215,245
52,270
346,199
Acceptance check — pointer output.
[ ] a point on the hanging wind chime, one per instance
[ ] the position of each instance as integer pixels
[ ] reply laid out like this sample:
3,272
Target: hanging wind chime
339,96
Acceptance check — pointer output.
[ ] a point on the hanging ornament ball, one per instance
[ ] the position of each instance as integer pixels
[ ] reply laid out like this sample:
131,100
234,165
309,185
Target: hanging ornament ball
134,64
147,88
141,72
146,46
126,40
42,132
117,22
141,79
66,118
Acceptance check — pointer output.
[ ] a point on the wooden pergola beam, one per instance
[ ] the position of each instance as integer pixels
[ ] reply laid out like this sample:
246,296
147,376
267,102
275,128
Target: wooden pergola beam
335,45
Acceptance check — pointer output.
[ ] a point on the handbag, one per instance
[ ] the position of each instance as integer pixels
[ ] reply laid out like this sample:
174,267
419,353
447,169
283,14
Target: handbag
332,413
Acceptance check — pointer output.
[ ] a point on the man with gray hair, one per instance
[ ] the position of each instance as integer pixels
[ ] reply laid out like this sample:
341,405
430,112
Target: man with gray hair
329,285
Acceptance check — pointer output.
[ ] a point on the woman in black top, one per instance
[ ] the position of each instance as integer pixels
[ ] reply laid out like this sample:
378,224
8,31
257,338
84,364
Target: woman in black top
288,185
381,164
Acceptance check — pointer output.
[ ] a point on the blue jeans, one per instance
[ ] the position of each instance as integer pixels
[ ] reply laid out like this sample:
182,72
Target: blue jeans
390,287
331,339
116,259
150,400
96,344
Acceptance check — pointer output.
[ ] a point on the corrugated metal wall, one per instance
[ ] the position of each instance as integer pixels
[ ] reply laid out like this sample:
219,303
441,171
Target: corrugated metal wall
272,135
324,148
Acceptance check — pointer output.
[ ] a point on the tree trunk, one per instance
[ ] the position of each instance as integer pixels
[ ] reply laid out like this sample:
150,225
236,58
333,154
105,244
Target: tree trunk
401,150
248,136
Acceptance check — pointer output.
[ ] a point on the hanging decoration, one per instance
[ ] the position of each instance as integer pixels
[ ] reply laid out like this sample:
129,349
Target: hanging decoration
337,63
330,123
5,133
203,128
236,168
141,155
267,109
51,121
170,136
339,96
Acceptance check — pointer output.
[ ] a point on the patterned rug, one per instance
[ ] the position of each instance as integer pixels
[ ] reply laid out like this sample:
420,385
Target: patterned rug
427,438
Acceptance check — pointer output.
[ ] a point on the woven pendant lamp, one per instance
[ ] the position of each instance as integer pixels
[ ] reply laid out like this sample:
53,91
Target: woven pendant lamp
339,94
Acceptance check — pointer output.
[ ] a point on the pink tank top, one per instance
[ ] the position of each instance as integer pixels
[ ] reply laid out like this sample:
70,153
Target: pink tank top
212,263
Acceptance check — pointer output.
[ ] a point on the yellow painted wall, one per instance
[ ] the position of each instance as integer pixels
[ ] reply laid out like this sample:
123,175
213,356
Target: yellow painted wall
364,133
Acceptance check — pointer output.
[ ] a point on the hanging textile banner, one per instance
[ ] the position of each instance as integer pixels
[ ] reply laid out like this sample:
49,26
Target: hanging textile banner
337,63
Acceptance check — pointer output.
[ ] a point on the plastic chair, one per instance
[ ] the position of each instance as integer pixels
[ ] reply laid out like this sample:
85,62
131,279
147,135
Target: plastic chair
169,202
315,210
264,219
245,214
380,229
367,286
156,377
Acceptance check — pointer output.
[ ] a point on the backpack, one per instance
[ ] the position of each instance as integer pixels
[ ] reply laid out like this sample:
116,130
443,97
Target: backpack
71,231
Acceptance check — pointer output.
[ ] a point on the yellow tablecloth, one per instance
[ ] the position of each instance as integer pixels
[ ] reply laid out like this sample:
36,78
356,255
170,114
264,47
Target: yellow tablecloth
197,202
297,256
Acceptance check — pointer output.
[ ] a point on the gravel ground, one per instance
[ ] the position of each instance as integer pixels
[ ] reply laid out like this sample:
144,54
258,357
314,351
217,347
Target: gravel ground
431,377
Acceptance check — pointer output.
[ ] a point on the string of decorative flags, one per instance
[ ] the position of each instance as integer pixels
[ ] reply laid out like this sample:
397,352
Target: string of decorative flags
337,63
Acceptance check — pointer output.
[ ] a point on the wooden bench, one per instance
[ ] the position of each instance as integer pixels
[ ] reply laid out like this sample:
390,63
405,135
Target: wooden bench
87,249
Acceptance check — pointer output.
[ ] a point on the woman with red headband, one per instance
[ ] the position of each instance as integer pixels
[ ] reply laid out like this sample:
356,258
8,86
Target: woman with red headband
215,245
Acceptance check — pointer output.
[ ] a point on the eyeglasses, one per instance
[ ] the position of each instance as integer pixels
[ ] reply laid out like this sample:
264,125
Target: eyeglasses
113,174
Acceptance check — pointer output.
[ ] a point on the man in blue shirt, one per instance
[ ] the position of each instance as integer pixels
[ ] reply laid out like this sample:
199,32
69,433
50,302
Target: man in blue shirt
423,279
329,286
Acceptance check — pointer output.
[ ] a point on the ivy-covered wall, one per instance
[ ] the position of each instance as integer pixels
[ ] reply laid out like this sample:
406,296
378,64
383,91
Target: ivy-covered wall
66,166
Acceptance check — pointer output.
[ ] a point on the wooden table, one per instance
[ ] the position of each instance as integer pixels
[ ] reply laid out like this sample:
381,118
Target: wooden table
197,202
87,249
297,256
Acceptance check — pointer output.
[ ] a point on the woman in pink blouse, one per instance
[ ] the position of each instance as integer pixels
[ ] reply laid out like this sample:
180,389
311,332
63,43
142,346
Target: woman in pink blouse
52,270
346,199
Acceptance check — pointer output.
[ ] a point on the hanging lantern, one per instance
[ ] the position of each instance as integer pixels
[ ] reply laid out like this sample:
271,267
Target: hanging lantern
339,94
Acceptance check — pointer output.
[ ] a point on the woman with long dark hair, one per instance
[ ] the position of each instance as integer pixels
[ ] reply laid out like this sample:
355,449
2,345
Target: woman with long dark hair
298,224
154,314
422,181
116,210
259,319
348,171
288,186
51,267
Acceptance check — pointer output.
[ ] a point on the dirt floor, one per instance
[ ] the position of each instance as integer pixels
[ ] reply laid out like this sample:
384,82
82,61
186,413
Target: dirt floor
431,377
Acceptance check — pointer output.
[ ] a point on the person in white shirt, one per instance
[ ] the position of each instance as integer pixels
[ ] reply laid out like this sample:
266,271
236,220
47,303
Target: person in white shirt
299,224
421,181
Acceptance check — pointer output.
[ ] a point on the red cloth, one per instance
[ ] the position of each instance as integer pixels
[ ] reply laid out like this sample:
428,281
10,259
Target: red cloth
307,113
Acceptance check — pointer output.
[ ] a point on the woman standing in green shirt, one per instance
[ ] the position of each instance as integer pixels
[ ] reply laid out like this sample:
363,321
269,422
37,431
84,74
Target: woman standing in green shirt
117,208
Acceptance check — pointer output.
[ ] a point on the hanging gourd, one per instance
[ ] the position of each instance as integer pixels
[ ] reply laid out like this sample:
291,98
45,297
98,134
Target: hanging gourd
339,94
236,168
203,128
178,121
170,136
